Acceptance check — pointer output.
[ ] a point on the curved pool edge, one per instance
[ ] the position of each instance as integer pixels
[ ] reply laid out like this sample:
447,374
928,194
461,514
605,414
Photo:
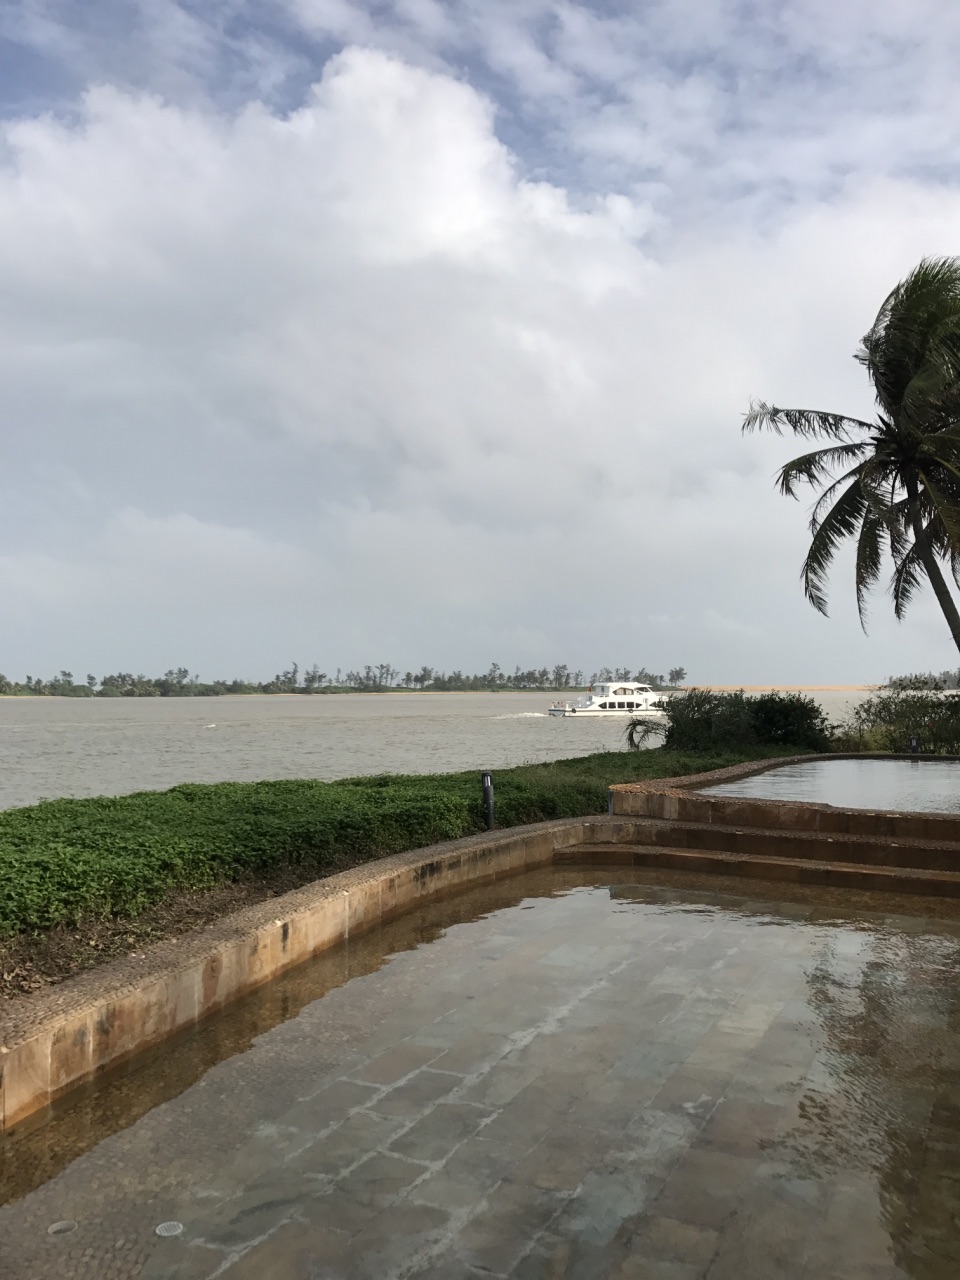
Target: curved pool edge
59,1039
671,798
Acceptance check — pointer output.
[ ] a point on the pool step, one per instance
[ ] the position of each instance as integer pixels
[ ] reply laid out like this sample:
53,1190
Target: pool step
849,875
812,846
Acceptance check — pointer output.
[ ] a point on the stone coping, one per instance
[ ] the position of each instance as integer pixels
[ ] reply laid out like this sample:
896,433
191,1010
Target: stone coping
56,1040
688,799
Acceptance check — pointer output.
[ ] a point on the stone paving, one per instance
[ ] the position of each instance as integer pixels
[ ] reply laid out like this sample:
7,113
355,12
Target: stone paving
628,1080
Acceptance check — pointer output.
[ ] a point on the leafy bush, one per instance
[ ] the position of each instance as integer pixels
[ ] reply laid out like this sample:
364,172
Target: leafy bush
888,721
702,720
66,859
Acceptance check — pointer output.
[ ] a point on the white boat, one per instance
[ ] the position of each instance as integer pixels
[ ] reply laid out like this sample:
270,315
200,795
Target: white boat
614,698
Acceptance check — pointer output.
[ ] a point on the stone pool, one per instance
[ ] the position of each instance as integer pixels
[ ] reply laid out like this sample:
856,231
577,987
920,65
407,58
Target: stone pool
569,1073
928,786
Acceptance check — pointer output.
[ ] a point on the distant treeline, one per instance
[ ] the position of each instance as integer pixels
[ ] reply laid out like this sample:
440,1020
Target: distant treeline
926,680
181,684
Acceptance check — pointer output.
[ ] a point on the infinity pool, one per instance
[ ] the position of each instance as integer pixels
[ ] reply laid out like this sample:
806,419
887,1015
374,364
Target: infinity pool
572,1073
927,786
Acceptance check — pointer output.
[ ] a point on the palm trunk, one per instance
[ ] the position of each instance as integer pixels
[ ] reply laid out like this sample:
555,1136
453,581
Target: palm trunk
932,569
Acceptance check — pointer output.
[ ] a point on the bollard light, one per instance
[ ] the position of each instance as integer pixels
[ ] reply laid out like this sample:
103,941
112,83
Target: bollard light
486,781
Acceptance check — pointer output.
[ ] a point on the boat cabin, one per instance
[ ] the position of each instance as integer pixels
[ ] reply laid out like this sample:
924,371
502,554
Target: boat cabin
622,696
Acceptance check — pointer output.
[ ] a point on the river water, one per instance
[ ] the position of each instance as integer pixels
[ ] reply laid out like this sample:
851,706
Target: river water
53,747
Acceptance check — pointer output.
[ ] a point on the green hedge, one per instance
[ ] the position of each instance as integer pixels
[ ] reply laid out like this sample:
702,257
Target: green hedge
705,720
66,859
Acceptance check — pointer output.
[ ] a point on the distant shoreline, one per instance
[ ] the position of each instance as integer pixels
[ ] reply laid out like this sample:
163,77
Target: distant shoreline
446,693
788,688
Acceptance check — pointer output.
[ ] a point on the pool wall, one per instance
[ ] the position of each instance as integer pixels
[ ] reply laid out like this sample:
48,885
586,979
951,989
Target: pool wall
53,1042
685,800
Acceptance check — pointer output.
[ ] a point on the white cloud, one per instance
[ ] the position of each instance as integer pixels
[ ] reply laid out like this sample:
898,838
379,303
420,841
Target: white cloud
378,387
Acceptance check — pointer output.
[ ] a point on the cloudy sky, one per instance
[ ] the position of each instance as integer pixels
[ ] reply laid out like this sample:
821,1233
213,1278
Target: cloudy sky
421,330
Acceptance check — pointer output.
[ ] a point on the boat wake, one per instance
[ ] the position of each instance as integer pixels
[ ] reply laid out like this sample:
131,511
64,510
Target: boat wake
523,715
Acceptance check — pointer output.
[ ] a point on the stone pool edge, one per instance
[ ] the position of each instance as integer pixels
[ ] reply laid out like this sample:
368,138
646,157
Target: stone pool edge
59,1039
671,799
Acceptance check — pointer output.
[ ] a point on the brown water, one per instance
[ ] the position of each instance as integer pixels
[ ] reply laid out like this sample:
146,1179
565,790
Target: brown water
926,786
81,747
569,1073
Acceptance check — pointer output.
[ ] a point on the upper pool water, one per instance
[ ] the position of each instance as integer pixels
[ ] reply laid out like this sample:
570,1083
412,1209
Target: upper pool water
926,786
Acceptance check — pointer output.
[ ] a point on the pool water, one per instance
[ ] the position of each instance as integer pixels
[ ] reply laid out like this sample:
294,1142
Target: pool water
574,1072
927,786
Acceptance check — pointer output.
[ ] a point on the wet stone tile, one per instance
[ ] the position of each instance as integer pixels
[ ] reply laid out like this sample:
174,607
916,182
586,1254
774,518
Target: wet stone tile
609,1201
333,1101
741,1126
395,1063
466,1177
496,1238
437,1133
415,1093
668,1240
502,1082
737,1100
252,1213
706,1187
387,1243
294,1251
693,1091
358,1135
179,1259
473,1052
380,1179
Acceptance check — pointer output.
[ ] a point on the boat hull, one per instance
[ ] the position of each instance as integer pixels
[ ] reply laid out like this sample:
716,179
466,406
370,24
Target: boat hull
589,713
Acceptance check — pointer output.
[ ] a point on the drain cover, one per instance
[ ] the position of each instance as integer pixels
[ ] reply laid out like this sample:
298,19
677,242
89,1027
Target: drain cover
61,1228
169,1228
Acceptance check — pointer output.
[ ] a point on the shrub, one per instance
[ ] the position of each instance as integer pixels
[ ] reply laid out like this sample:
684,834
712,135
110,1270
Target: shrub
888,721
702,720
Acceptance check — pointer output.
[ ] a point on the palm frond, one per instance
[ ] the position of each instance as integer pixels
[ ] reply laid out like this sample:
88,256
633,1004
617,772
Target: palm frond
907,577
841,521
945,505
814,468
914,334
871,491
869,559
802,422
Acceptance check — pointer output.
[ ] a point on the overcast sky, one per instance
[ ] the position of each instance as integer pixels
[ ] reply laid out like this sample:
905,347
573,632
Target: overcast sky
421,330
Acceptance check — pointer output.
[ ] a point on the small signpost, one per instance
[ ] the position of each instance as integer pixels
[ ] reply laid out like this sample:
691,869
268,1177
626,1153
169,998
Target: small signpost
486,779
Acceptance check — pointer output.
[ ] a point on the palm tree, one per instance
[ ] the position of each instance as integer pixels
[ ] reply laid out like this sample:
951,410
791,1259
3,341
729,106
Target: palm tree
899,487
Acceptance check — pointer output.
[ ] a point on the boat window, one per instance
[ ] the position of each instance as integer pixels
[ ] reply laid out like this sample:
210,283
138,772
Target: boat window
621,706
629,706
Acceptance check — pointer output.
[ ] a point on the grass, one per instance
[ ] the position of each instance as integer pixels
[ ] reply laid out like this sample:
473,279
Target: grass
66,861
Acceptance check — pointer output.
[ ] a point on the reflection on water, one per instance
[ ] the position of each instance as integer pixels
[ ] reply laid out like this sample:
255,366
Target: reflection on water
782,1077
929,786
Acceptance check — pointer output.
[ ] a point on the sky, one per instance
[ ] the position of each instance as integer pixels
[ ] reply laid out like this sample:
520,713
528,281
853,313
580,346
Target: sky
421,331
